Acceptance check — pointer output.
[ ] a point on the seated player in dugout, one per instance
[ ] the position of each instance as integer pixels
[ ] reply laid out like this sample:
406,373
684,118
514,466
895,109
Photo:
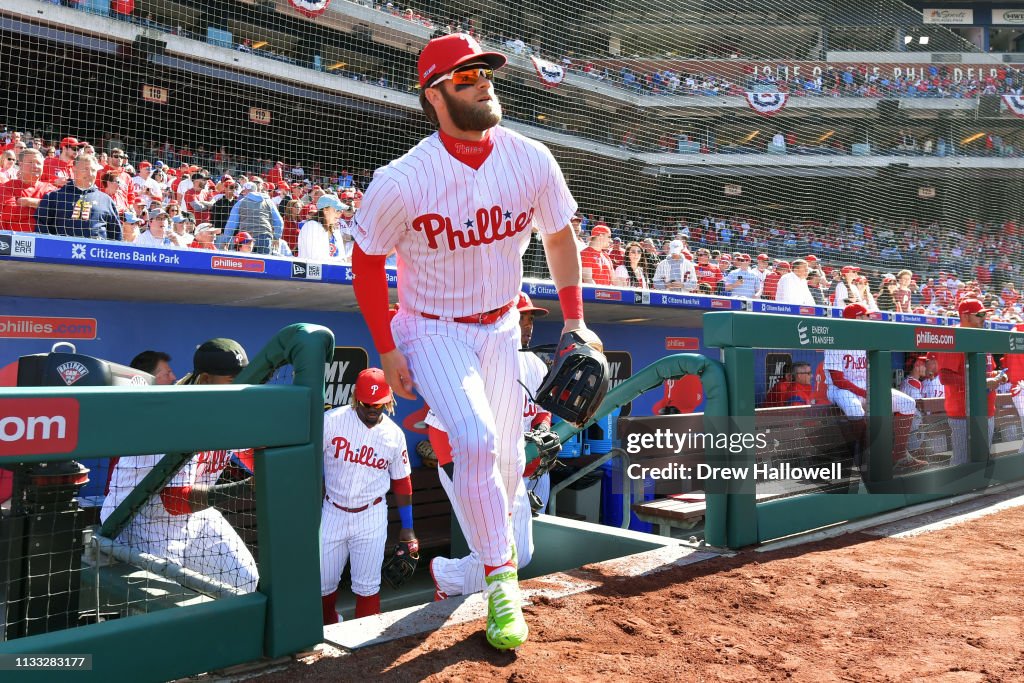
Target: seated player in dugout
364,455
846,372
182,524
797,391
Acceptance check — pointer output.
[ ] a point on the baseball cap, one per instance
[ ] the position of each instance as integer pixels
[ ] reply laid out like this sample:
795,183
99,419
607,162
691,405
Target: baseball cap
446,53
329,200
971,306
576,217
249,187
675,247
763,257
157,212
811,258
783,264
850,269
243,238
145,164
600,229
525,305
207,227
130,217
220,356
853,310
372,388
72,142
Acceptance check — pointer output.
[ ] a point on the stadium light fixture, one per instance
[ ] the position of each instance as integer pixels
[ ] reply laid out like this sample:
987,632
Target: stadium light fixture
541,117
258,44
971,138
923,40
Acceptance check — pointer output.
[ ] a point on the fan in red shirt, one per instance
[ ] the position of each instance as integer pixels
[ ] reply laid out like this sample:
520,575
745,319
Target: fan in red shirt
1014,364
20,197
125,195
275,176
57,171
707,272
596,266
771,281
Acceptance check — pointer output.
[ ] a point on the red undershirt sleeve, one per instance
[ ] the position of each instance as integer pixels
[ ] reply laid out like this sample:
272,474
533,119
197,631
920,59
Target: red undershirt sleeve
175,500
370,284
840,382
402,487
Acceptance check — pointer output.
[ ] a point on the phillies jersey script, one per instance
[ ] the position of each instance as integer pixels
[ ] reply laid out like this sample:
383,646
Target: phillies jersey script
360,462
461,233
853,365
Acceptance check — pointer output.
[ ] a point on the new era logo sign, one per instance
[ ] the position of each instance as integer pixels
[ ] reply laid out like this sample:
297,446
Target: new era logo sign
5,245
306,271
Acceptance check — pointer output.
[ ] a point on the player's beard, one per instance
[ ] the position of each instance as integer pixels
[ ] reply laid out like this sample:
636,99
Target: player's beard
476,116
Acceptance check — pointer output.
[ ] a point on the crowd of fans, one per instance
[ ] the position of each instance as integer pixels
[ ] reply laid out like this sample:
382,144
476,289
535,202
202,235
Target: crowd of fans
68,188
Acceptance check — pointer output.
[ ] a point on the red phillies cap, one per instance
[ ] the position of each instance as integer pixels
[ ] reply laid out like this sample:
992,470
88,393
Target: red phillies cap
783,264
371,387
601,229
243,238
853,310
446,53
525,305
850,269
145,164
971,306
763,257
811,258
72,142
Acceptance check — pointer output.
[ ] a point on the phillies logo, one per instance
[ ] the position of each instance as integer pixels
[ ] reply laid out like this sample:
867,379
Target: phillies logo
855,362
373,389
491,225
213,461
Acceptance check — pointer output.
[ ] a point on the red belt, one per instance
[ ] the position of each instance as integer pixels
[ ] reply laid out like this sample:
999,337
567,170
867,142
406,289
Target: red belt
486,318
359,509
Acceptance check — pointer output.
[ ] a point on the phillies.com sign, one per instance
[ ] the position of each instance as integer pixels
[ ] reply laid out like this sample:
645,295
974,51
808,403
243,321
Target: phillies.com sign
929,338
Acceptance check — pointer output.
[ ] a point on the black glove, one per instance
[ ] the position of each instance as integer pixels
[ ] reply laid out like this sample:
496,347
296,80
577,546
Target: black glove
548,448
399,567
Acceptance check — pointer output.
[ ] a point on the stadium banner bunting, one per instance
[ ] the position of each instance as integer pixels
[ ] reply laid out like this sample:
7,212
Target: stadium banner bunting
551,74
1015,103
767,103
310,8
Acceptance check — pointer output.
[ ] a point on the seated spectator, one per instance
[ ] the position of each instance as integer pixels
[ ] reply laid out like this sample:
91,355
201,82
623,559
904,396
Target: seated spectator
319,238
80,209
8,166
707,272
792,288
243,242
57,170
815,280
675,273
798,392
130,227
886,299
158,235
205,234
632,273
20,197
846,291
596,266
184,226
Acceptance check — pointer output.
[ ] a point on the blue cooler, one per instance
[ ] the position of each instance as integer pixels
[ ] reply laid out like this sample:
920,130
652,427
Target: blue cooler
600,436
573,448
612,483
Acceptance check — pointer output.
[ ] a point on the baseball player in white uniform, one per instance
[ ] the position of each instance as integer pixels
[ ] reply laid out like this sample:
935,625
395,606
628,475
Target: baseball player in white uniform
464,575
458,209
364,456
181,525
846,374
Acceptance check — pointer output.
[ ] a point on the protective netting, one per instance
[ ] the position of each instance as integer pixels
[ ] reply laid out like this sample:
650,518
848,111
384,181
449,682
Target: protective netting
867,134
179,548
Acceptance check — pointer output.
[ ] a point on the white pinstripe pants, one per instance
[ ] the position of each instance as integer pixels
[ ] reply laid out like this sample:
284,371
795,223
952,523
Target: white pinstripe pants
958,428
356,536
469,375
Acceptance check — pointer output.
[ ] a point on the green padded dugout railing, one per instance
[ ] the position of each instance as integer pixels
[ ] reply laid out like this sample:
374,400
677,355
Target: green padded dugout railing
738,334
716,420
284,424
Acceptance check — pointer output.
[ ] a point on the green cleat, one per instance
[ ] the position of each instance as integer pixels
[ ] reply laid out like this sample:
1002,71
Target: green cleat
506,627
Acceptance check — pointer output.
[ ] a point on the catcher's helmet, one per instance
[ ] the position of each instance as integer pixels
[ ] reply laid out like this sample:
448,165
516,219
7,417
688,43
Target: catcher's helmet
577,381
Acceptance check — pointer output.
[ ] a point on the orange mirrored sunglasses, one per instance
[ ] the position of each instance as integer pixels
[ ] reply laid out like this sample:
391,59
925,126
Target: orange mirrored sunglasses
466,76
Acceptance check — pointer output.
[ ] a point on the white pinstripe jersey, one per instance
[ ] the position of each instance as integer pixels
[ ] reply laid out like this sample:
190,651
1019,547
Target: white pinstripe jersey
853,365
461,233
359,461
202,469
